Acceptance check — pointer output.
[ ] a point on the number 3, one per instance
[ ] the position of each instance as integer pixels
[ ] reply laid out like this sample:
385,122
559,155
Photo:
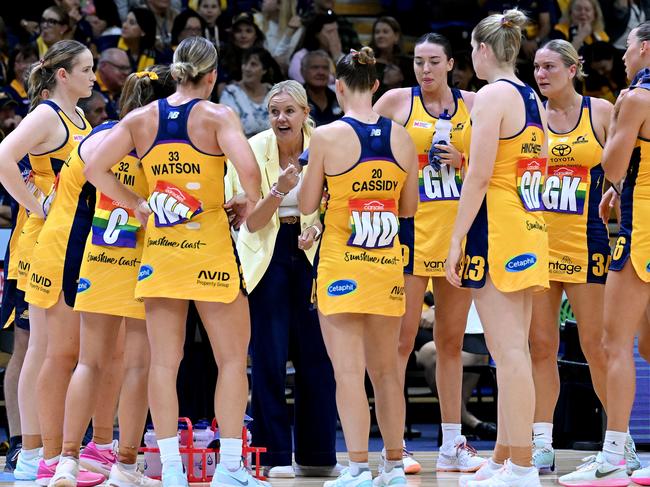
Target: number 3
474,268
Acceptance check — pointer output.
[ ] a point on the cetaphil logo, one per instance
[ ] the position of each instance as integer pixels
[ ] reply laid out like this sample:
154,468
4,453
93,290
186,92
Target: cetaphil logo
521,262
83,285
341,287
145,272
561,150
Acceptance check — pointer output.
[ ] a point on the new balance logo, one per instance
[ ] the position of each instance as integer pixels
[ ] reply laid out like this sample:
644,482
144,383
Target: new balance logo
172,115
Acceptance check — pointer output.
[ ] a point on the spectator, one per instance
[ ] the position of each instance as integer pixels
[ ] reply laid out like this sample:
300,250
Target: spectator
283,29
347,33
113,68
244,34
210,10
94,108
165,15
474,353
323,105
55,24
187,24
320,33
138,38
394,70
277,263
463,76
125,6
79,29
249,97
22,57
105,23
9,120
623,16
583,25
605,71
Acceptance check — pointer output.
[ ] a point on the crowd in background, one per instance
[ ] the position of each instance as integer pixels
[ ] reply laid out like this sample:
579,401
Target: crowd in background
263,42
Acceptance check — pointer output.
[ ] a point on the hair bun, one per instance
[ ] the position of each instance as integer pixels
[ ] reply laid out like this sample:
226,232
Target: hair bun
365,56
514,18
183,71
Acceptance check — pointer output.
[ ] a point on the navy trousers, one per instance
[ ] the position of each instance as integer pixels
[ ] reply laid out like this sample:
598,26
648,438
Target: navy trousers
284,327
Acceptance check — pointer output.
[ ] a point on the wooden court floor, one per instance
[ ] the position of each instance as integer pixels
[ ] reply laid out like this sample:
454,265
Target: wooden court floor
566,462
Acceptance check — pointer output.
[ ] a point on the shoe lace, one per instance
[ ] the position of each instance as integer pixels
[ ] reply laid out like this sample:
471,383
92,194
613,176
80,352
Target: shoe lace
464,446
588,463
406,453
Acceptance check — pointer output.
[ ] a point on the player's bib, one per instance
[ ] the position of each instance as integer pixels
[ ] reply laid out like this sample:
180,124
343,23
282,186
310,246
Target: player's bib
565,189
172,206
530,182
438,184
113,224
373,223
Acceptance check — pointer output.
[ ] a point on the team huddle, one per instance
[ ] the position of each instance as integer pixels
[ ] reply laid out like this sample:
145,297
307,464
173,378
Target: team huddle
494,196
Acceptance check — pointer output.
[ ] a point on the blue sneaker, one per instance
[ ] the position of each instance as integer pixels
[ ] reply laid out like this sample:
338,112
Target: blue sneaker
395,477
346,479
27,464
174,478
239,478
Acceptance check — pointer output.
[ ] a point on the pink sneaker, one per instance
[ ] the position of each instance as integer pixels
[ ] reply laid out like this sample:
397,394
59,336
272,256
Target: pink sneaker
84,478
96,460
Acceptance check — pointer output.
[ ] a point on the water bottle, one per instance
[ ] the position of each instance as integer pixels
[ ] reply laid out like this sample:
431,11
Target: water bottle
203,436
441,136
183,442
152,464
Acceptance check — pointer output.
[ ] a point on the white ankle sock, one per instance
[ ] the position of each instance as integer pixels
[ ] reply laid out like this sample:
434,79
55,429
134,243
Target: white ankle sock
51,461
519,470
230,453
107,446
449,433
389,465
30,454
129,467
169,454
494,465
357,467
614,446
543,432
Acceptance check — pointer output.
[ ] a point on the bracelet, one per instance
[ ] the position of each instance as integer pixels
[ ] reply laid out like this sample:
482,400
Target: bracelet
616,190
275,192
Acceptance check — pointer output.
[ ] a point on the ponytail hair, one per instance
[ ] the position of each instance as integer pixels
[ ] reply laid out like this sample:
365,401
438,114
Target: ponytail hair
358,70
42,74
144,87
193,58
502,32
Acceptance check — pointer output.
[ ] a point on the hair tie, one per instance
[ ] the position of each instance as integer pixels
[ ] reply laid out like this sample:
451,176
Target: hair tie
41,63
505,22
150,74
355,56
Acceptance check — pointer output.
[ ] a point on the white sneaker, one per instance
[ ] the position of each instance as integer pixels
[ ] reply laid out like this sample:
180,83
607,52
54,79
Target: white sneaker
411,465
397,476
120,477
66,473
318,471
364,479
281,472
597,471
486,471
242,477
507,478
27,469
641,476
543,457
460,458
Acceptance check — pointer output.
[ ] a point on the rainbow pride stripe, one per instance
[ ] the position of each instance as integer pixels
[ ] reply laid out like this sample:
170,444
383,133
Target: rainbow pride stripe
440,176
126,236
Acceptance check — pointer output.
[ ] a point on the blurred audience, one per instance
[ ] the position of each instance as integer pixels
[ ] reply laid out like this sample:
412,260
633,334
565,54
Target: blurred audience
323,104
188,23
347,32
621,17
322,33
394,69
210,10
282,27
113,68
106,24
582,25
94,108
54,25
605,73
20,60
249,97
138,38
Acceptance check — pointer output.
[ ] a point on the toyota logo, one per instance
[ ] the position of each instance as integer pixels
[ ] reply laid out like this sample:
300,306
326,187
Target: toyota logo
561,150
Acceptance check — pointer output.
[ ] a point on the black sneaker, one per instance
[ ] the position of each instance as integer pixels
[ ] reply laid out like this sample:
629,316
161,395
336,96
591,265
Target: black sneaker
12,456
486,430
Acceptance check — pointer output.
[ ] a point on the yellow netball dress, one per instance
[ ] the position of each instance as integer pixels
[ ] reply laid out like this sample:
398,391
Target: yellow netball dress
508,237
578,239
45,167
188,250
111,259
425,238
359,265
60,245
634,235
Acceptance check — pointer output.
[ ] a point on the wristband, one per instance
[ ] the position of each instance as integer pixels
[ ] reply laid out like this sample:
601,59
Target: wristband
275,192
